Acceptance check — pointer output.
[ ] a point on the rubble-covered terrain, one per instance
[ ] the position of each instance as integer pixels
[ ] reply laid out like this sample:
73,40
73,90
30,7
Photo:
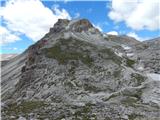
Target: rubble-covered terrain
77,73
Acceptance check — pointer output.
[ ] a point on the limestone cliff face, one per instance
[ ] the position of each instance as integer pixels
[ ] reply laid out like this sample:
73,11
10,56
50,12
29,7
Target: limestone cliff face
74,73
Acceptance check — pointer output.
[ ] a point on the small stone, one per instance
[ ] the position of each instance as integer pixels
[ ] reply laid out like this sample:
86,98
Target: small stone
12,117
22,118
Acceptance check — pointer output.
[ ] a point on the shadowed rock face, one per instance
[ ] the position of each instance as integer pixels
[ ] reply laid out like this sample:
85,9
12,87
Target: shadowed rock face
81,25
74,73
59,26
74,26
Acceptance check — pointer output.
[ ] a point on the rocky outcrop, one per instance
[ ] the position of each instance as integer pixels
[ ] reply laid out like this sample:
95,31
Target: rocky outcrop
146,54
59,26
74,73
81,25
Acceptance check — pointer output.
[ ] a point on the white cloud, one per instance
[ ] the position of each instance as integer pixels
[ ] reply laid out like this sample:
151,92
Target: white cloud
137,15
55,6
15,48
98,27
7,36
112,33
31,17
77,15
134,35
66,1
10,48
63,14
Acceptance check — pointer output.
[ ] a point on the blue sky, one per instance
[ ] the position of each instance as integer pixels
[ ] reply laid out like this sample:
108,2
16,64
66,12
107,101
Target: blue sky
106,15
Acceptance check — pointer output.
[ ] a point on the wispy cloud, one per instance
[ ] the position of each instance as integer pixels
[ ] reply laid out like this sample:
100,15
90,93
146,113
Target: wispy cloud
134,35
10,48
112,33
77,15
137,15
7,36
98,27
29,17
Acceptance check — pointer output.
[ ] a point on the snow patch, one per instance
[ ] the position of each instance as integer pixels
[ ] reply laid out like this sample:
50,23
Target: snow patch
126,47
154,76
119,54
21,118
67,35
130,54
71,23
140,68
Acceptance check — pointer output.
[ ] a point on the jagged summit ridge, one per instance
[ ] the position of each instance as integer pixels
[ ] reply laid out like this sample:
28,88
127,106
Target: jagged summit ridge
73,25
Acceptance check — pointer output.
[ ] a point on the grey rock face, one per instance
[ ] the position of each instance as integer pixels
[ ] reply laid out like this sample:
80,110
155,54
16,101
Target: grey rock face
146,54
122,39
73,73
59,26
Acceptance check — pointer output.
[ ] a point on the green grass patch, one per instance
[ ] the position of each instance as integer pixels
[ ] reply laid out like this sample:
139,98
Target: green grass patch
117,73
134,116
24,107
129,101
112,56
72,52
69,84
137,78
90,87
130,62
110,97
85,113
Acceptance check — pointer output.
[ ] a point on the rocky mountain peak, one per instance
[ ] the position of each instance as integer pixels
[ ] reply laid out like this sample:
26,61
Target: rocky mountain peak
62,21
63,25
74,72
59,26
81,25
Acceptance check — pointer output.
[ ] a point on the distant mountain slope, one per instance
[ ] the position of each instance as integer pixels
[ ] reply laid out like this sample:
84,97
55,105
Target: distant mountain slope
153,43
7,56
4,58
74,73
148,55
122,39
